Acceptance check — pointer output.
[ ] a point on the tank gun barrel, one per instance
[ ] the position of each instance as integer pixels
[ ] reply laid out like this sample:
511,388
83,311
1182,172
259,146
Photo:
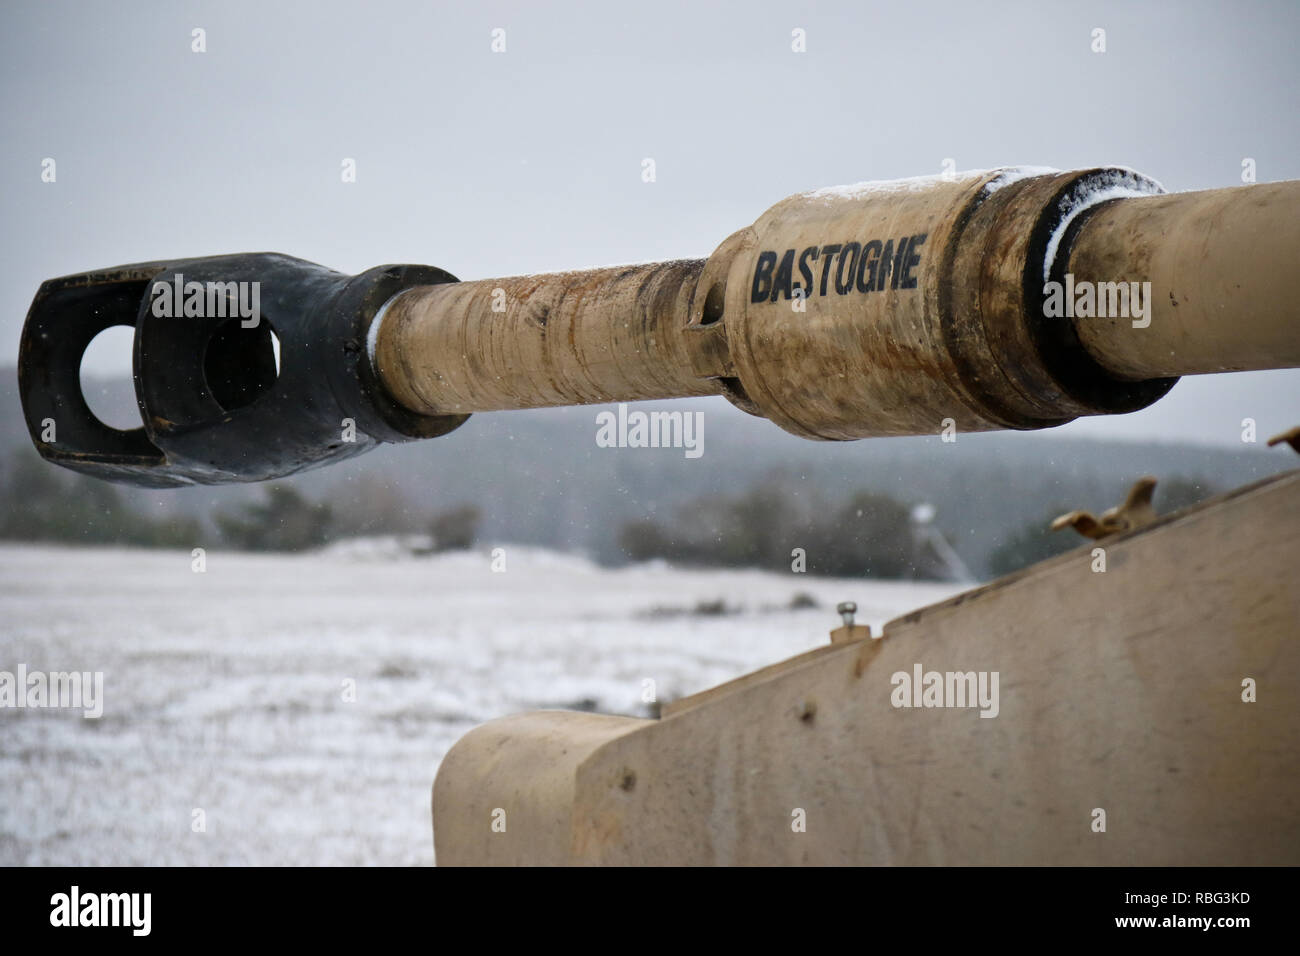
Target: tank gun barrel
1006,299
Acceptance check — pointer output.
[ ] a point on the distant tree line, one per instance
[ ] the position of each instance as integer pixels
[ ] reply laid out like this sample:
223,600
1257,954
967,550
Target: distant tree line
776,523
871,535
44,503
286,520
775,526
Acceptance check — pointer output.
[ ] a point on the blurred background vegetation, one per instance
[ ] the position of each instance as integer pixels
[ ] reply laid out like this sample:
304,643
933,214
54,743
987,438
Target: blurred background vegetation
869,534
890,508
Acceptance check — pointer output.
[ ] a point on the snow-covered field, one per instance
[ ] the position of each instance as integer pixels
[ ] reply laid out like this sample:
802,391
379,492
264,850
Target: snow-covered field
228,690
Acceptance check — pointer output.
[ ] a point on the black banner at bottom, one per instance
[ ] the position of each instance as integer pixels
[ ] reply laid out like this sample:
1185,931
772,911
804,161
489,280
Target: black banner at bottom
991,906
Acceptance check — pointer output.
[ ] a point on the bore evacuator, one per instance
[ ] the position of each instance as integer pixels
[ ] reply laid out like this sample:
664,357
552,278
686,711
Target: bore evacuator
845,267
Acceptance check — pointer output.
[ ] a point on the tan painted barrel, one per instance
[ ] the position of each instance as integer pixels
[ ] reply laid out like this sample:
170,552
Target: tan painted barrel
1221,266
570,338
900,308
908,307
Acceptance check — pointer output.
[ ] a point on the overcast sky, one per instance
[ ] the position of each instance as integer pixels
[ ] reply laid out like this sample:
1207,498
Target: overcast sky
494,164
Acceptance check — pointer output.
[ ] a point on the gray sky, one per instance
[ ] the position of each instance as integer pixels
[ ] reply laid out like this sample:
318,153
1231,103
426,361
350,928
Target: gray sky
499,164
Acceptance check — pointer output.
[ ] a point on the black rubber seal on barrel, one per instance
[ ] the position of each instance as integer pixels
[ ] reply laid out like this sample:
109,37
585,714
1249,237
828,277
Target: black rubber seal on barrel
1080,375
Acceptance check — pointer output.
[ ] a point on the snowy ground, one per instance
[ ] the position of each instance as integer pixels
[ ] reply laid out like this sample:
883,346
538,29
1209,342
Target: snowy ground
225,690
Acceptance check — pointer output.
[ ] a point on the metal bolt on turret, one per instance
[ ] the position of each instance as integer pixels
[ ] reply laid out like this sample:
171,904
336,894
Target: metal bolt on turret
846,610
